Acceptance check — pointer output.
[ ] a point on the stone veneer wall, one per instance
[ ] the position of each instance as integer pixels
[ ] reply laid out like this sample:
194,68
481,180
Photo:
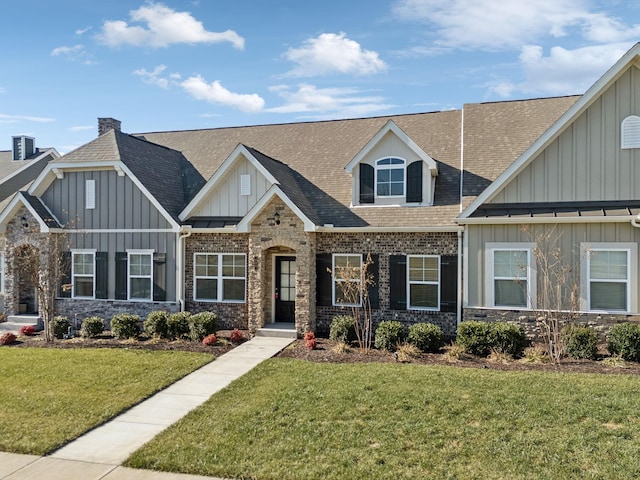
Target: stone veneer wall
601,322
230,315
386,244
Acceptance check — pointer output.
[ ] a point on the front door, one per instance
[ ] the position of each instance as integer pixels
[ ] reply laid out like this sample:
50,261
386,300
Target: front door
285,289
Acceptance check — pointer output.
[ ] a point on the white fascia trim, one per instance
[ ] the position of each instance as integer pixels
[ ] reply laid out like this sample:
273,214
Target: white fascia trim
541,220
556,129
274,191
220,173
12,208
30,163
391,126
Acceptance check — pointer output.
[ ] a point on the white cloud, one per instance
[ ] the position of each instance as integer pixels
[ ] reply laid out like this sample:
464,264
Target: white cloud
4,118
82,31
77,53
155,76
500,24
81,128
327,102
333,53
214,92
563,71
162,26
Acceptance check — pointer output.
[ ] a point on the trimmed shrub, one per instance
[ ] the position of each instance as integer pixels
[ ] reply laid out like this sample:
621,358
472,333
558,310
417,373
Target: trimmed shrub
125,325
60,326
310,340
342,329
427,337
201,325
580,341
388,335
27,330
507,338
7,338
624,341
92,327
178,325
474,337
209,340
155,325
236,336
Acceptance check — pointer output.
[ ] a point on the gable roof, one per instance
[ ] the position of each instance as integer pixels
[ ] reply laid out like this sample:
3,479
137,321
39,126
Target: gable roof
16,174
46,220
630,58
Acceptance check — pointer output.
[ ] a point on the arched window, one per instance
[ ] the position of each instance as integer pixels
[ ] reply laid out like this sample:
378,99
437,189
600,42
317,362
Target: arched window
630,132
390,177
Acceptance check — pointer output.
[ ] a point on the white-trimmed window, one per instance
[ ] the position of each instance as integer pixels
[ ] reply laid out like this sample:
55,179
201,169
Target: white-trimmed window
140,274
423,283
220,277
83,273
511,278
390,176
346,268
608,272
630,132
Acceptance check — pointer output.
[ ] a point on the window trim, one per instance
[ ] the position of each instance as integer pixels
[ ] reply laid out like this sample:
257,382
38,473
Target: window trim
531,293
428,282
402,167
85,251
335,280
129,276
220,278
632,273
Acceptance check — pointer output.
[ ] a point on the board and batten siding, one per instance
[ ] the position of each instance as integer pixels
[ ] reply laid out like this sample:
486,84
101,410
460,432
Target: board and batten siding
586,162
225,200
120,204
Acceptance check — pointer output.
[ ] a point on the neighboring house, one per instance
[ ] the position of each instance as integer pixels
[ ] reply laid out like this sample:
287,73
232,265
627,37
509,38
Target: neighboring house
575,192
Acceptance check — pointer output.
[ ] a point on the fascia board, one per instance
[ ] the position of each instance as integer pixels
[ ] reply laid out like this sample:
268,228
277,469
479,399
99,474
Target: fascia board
12,208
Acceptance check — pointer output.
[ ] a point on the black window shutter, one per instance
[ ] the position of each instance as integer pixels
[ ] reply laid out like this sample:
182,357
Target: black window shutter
102,274
448,283
367,174
65,287
398,282
414,182
159,277
324,293
374,269
121,276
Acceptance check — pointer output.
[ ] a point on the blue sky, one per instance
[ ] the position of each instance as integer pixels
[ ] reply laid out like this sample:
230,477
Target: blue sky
184,64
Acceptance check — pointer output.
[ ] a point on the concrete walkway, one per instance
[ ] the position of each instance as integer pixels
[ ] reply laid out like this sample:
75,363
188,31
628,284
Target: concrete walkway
98,454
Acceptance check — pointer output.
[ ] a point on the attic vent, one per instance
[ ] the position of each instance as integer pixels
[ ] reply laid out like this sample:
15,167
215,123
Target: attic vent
23,147
245,185
630,132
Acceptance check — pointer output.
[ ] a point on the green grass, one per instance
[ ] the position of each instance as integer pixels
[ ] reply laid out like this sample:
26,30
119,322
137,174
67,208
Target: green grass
298,420
50,396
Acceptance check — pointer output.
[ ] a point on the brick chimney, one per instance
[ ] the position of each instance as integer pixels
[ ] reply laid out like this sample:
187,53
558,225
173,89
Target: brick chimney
106,124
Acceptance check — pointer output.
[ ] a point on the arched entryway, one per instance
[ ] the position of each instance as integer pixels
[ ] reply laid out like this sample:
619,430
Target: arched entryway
26,259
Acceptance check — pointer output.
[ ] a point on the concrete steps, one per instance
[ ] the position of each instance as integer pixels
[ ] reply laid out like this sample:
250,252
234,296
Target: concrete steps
277,330
14,322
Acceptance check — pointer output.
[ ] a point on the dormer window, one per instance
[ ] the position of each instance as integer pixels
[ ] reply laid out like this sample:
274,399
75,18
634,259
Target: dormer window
390,177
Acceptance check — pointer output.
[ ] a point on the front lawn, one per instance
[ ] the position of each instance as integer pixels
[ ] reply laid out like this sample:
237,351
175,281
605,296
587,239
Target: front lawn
50,396
301,420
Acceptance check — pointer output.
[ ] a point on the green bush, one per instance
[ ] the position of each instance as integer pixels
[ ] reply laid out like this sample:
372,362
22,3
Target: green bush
202,324
624,341
60,326
474,337
426,336
580,341
342,329
507,338
125,325
92,327
388,335
178,325
155,325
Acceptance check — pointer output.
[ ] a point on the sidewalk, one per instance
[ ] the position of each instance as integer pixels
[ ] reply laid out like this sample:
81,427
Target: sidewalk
98,454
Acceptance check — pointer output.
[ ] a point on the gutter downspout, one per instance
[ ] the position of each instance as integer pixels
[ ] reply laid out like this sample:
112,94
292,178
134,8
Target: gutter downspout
185,232
634,222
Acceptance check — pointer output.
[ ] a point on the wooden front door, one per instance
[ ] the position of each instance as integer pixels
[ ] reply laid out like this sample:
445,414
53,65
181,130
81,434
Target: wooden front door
285,289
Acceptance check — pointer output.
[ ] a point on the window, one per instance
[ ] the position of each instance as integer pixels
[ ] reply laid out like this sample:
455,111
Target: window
511,276
346,271
630,132
423,282
390,177
607,273
140,274
90,194
219,277
83,274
